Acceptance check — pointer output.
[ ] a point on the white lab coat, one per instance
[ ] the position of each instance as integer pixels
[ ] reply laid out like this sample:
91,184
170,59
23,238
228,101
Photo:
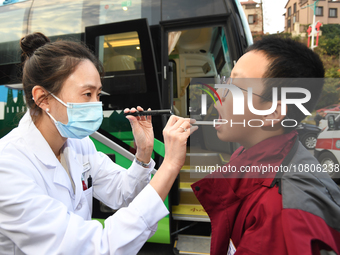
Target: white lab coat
40,214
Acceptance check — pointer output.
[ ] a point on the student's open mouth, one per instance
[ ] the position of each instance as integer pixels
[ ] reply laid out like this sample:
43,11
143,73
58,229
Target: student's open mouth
216,122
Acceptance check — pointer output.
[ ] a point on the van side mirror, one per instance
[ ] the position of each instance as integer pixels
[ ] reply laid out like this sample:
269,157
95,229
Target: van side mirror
331,122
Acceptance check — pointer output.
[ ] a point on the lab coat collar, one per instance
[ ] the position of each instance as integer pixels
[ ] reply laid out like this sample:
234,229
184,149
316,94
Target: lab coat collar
75,168
44,154
36,141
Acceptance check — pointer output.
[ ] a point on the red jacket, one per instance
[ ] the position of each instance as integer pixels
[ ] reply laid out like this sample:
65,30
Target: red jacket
299,215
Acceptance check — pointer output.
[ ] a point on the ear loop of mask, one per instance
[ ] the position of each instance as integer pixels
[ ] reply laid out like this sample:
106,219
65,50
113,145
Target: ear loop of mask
68,106
47,111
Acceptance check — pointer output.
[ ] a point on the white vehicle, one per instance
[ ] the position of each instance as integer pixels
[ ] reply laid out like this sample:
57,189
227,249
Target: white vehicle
327,149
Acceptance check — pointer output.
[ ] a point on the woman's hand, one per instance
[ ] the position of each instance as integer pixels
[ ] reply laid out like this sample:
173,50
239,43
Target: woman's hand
143,134
176,133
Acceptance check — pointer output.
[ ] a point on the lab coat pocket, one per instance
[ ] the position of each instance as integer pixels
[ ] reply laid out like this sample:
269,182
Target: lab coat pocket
88,194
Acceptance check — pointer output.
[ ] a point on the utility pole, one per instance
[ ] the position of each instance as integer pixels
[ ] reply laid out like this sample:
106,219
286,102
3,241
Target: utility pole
313,7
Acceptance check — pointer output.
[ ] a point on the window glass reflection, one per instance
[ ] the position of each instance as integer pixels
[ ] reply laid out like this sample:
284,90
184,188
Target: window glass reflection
120,52
12,26
57,17
116,11
6,2
179,9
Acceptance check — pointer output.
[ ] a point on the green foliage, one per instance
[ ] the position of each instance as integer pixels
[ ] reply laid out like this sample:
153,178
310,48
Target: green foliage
330,45
330,93
281,35
330,30
332,73
285,35
305,27
330,39
297,38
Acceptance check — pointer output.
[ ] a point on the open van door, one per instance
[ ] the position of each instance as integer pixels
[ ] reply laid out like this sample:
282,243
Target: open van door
130,80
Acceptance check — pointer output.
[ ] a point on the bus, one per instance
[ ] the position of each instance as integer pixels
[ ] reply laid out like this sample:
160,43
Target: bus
151,51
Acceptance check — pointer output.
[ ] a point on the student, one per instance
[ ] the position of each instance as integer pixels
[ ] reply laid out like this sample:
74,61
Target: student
284,212
50,169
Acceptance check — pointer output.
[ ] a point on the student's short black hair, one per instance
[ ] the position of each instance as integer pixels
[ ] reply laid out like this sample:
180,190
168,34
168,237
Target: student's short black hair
291,59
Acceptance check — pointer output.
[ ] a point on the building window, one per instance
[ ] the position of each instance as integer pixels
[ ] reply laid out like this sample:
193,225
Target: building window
251,19
319,11
333,12
289,11
294,8
294,19
251,6
288,23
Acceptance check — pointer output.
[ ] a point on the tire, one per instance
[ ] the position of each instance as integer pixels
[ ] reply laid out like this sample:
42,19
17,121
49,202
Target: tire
309,141
329,159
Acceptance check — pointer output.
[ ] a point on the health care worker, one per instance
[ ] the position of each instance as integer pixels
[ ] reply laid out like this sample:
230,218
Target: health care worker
46,163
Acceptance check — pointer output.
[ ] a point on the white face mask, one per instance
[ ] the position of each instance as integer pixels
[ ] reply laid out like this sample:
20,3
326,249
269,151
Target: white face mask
83,119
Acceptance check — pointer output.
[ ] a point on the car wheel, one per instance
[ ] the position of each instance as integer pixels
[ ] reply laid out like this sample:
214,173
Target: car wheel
330,162
309,141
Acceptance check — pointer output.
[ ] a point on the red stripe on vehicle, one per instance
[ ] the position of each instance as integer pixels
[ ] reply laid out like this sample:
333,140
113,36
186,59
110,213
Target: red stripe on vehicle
324,143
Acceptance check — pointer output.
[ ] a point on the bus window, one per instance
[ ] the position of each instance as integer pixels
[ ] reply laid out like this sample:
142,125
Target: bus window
54,18
13,27
97,12
6,2
110,11
179,9
120,52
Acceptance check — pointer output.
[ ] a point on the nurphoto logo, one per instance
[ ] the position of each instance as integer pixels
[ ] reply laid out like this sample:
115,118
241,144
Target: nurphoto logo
240,94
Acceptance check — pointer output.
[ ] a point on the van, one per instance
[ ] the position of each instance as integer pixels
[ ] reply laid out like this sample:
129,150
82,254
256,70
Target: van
327,149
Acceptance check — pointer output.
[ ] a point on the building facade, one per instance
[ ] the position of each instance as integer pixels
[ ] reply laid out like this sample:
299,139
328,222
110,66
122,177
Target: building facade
298,16
254,14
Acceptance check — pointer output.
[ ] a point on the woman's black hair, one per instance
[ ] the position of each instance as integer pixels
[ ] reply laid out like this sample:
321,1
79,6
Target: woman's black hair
48,64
